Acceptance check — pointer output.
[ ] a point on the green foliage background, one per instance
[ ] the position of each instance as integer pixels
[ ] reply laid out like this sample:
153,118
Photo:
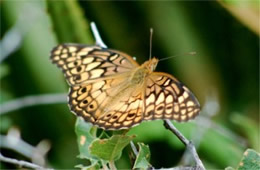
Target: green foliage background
226,66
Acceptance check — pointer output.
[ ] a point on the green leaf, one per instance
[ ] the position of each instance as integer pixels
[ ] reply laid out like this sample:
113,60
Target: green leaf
69,22
229,168
110,149
86,133
143,157
250,160
248,127
4,70
6,123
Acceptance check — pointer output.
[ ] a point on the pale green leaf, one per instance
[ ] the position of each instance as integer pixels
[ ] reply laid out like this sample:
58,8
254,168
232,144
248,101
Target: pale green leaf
110,149
86,133
143,157
250,160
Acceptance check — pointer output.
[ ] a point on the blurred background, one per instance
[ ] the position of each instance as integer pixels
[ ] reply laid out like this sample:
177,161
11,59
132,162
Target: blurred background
224,75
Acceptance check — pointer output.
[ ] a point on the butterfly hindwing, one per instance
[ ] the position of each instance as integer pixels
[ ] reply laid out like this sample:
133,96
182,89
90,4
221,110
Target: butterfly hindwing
167,98
90,100
126,113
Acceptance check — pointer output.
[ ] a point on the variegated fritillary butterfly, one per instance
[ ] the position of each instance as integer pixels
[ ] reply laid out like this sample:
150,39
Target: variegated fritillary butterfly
111,90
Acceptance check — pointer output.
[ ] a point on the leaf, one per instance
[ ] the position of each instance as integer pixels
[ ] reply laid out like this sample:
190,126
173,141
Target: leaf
234,7
86,133
110,149
69,22
229,168
4,70
143,157
6,123
250,160
248,127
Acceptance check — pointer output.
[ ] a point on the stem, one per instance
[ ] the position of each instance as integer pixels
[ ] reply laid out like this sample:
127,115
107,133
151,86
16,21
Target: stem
97,35
104,165
31,101
112,165
189,145
20,163
134,148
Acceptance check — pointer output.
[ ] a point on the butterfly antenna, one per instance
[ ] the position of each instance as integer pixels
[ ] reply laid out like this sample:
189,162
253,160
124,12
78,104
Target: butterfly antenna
151,39
189,53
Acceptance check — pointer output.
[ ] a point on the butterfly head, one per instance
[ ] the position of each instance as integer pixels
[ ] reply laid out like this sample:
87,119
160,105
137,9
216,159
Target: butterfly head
151,64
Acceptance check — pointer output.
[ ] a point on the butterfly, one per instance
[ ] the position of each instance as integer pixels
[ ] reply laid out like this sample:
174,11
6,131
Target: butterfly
111,90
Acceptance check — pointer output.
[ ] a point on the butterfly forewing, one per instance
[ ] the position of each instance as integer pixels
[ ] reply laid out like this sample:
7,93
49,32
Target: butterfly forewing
167,98
82,64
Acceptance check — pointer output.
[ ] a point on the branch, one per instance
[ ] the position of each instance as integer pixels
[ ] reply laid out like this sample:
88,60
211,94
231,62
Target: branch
112,165
189,145
204,123
20,163
134,148
31,101
14,142
97,35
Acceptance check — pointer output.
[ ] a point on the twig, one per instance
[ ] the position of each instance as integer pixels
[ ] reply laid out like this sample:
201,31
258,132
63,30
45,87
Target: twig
32,100
14,142
134,148
112,165
204,123
168,124
210,108
17,144
97,35
104,165
20,163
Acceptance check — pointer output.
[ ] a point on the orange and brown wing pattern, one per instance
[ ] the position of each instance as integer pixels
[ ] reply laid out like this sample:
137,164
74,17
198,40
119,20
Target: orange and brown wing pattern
94,102
103,90
90,100
167,98
127,113
82,64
